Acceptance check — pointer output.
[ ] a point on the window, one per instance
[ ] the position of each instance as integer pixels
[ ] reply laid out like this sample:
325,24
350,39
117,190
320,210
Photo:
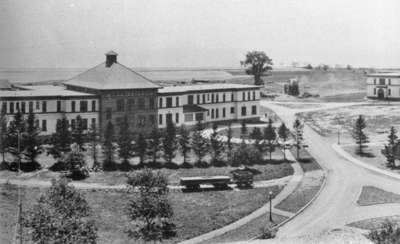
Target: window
30,107
381,81
212,113
44,125
254,95
169,118
232,110
188,117
23,107
254,110
93,105
198,99
169,102
216,113
374,91
232,97
190,99
160,102
152,103
108,113
389,92
208,96
131,104
58,106
212,98
11,107
37,123
37,105
199,116
244,112
160,119
44,106
84,124
141,103
223,112
374,81
248,96
93,125
4,107
177,118
216,97
223,97
204,98
17,106
120,105
390,82
73,106
243,96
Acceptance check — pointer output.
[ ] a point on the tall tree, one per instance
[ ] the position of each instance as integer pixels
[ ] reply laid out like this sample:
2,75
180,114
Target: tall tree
141,147
216,147
389,149
125,143
3,136
199,144
298,133
229,143
13,139
77,132
154,145
243,129
31,144
169,142
109,148
270,137
256,64
61,215
149,211
93,137
283,133
61,139
257,136
359,135
184,142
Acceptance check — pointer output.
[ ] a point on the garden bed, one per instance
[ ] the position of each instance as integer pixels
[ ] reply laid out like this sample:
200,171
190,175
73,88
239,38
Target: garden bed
371,195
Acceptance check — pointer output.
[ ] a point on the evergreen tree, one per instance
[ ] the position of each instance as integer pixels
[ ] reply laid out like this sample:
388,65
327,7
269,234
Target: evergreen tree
61,139
93,137
216,147
283,133
154,145
125,144
359,135
109,163
243,129
77,132
169,142
31,143
241,155
141,148
229,143
199,145
3,138
389,149
257,136
270,137
61,215
184,143
14,135
298,133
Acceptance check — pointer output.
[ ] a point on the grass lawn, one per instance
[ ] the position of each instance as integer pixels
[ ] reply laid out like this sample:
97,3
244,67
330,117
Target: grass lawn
307,162
195,213
375,223
308,187
371,195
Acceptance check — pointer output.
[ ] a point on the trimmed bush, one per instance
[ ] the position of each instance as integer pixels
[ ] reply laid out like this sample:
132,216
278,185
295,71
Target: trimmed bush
171,165
186,165
201,164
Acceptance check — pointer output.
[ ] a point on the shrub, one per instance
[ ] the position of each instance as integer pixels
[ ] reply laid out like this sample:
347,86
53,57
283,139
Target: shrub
186,165
201,164
171,165
218,163
268,233
387,233
124,165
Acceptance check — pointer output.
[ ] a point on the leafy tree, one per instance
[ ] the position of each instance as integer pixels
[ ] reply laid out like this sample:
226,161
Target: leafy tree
229,143
257,63
283,133
257,136
61,139
75,163
61,215
154,145
216,147
93,136
125,144
184,142
169,142
150,211
199,144
141,148
298,133
109,148
359,135
77,132
31,144
270,137
243,129
3,137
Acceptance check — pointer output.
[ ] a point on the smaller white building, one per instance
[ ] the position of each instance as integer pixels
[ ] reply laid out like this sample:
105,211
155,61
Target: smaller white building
383,86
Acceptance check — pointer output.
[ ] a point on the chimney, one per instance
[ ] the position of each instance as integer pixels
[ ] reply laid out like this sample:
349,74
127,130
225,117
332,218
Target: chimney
111,57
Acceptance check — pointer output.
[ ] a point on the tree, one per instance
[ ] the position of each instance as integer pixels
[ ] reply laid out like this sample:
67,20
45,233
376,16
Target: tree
61,139
75,163
298,133
348,67
141,148
93,139
229,143
199,144
31,144
169,142
308,66
3,137
77,132
216,147
389,149
61,215
150,211
125,144
243,129
359,135
154,145
270,137
257,136
256,64
109,148
283,133
13,138
184,143
241,155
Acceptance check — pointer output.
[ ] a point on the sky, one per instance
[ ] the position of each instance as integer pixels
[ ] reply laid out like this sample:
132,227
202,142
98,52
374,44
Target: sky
198,33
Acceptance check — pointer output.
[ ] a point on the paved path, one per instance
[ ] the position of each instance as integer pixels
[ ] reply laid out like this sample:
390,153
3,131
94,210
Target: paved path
336,205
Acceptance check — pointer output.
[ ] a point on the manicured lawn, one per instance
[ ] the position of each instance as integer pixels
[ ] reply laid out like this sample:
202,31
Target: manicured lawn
307,162
195,213
375,223
371,195
305,191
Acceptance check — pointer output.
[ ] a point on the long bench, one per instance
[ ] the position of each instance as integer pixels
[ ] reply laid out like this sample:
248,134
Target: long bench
193,183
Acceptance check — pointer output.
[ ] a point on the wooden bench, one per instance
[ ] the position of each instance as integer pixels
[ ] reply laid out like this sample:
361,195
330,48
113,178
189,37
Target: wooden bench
193,183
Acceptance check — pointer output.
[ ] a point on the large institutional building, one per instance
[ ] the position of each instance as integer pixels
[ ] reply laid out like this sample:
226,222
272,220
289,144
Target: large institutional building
109,91
383,86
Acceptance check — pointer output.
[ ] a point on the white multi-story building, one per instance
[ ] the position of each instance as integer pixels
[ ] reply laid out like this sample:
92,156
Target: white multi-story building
207,103
383,86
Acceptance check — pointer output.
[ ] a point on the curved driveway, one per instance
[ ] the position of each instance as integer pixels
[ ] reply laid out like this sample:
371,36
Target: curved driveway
336,206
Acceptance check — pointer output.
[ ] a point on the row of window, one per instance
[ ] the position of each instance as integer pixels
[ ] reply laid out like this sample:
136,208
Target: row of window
132,104
389,92
24,107
141,120
382,81
215,112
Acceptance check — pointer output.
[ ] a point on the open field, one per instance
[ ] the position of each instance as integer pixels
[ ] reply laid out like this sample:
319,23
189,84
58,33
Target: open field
195,213
371,195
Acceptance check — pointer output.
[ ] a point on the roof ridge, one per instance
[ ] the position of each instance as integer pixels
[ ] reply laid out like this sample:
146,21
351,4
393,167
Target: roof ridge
84,72
144,77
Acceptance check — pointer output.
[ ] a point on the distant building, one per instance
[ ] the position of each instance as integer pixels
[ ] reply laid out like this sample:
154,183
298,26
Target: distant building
383,86
110,91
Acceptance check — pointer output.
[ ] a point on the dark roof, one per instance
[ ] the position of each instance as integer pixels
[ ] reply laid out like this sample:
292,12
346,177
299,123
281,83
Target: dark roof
191,108
111,52
115,77
5,85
